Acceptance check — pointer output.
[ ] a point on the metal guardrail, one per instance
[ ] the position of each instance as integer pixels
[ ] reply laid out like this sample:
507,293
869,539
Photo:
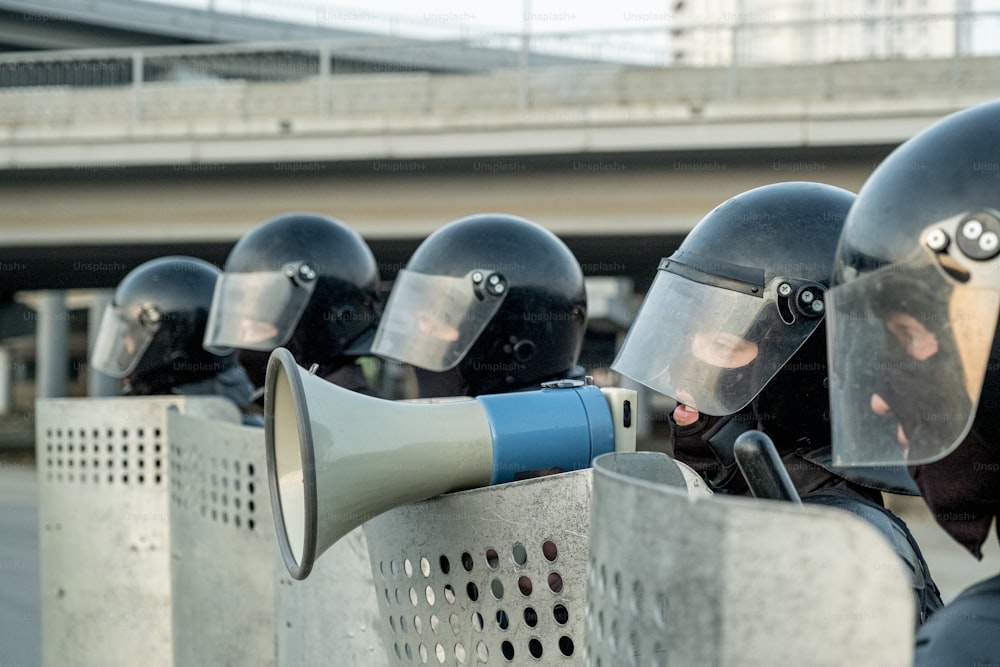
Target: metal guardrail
795,32
391,76
735,42
561,94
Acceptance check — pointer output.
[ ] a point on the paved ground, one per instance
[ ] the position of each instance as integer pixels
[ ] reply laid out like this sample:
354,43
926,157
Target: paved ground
20,623
952,567
20,617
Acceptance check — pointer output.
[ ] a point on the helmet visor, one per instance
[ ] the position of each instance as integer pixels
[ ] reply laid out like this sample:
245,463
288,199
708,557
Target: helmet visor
432,321
714,348
908,349
121,341
258,310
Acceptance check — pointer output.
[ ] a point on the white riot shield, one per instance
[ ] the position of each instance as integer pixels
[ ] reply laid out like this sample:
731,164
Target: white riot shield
495,575
332,617
233,601
104,529
223,545
676,580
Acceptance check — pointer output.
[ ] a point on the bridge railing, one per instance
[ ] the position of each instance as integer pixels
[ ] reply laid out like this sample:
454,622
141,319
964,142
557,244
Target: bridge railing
372,79
381,98
732,40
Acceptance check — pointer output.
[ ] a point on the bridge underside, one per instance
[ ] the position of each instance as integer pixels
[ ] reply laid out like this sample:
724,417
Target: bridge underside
86,228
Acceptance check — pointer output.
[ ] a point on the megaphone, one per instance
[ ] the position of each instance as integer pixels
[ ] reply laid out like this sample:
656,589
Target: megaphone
337,458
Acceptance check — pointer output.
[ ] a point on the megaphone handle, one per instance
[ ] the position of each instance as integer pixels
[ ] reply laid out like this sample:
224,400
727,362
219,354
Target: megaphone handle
762,468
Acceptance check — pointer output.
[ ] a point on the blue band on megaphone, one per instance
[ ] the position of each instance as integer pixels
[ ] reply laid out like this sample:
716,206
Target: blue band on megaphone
564,428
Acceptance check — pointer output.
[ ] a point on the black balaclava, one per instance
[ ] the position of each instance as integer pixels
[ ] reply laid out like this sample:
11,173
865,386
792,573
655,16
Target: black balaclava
792,409
962,490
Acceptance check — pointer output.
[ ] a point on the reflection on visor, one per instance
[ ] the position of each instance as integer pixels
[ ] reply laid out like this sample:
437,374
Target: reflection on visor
257,311
121,341
913,337
254,333
723,350
432,321
429,326
908,352
710,348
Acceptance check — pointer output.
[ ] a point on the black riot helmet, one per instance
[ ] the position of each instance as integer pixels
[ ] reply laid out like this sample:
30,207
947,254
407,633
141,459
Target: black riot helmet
913,312
302,281
916,293
728,311
151,333
495,298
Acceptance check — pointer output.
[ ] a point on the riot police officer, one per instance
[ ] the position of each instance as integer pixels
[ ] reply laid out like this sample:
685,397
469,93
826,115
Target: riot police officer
732,329
487,304
302,281
913,347
151,334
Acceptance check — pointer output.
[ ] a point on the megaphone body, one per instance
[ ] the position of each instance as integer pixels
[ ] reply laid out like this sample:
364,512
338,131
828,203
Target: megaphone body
337,458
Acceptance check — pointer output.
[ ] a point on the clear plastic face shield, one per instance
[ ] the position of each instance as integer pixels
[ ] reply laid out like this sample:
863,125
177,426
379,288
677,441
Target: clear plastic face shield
713,340
122,339
258,310
432,321
909,345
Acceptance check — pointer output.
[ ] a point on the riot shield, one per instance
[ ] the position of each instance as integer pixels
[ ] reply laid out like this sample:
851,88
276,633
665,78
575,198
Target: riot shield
490,574
677,580
332,613
495,574
223,546
233,601
104,528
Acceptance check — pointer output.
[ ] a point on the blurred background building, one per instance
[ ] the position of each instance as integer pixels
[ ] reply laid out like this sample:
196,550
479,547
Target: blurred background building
795,31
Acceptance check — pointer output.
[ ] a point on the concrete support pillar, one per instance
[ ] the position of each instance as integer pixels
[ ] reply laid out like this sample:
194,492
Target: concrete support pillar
324,79
6,381
98,384
524,65
51,336
138,74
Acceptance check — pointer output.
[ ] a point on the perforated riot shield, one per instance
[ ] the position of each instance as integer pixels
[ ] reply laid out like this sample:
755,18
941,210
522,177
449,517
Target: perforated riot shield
223,546
233,600
676,580
492,575
104,529
332,613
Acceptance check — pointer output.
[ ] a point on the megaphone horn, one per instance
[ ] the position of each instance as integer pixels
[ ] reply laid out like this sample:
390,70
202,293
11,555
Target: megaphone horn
337,458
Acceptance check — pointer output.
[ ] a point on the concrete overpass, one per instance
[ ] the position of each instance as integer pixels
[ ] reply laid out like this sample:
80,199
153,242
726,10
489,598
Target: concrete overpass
122,172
